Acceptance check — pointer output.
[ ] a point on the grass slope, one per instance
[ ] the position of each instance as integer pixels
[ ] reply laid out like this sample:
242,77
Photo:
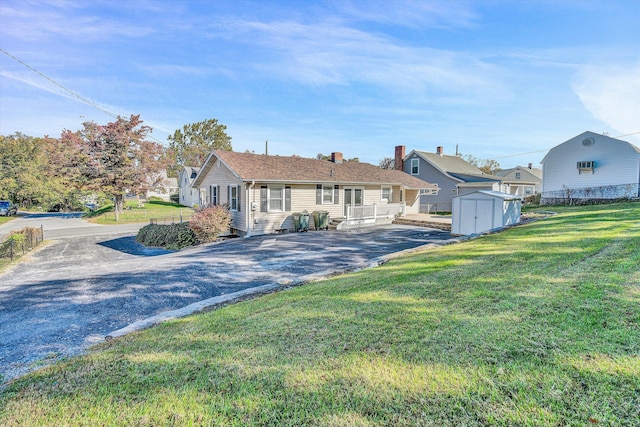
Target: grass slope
535,326
141,212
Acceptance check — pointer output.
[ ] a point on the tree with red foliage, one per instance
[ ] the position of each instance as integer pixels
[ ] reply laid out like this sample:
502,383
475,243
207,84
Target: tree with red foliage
114,158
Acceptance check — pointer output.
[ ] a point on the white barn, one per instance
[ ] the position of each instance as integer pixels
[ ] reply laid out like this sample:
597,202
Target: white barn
590,166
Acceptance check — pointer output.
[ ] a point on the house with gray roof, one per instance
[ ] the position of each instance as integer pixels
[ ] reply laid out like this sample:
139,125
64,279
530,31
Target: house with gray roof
521,181
264,192
452,174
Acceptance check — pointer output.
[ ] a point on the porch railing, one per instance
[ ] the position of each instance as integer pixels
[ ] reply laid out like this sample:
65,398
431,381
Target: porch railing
375,211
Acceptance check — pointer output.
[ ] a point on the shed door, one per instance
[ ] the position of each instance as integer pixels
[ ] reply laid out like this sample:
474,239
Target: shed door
484,215
476,216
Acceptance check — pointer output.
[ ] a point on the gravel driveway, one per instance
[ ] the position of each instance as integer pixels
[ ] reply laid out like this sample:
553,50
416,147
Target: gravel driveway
72,293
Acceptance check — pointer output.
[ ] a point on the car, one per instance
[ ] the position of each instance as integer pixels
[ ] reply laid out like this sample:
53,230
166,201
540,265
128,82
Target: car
7,208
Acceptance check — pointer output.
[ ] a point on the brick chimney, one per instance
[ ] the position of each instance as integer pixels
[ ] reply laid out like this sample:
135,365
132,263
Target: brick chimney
440,150
336,157
398,160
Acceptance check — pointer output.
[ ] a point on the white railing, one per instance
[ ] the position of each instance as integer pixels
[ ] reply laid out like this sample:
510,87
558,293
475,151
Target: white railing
388,210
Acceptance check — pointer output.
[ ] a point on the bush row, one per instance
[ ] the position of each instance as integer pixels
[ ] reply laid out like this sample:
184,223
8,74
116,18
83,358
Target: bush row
173,236
205,226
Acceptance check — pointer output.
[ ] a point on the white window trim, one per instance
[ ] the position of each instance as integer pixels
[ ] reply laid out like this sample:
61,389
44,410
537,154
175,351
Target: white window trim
232,189
417,161
282,189
382,198
330,188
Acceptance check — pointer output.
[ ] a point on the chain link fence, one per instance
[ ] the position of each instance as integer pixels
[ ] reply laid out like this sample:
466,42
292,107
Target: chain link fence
19,243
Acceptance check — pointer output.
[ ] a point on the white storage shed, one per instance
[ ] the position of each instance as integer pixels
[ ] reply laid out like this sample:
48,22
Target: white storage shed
482,211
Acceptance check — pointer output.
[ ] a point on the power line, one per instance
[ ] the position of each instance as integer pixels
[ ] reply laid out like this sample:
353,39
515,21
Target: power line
523,154
75,95
72,93
628,134
542,151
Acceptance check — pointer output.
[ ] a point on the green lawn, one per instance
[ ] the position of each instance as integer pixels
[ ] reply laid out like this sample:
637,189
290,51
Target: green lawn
5,219
535,326
141,212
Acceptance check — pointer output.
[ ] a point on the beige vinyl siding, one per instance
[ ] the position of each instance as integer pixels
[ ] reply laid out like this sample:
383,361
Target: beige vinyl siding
412,201
221,176
303,197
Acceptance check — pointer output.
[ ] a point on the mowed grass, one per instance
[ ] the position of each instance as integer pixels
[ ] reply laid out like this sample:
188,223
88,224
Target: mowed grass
141,212
536,326
5,219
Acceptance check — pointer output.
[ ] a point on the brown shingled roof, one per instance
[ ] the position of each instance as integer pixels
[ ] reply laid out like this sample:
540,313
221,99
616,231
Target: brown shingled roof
259,167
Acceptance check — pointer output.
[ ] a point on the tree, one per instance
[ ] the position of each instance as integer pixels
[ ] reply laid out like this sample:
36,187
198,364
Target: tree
114,158
387,163
191,145
31,173
486,166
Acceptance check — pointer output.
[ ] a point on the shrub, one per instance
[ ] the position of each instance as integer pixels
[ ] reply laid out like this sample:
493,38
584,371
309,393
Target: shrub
175,198
172,236
209,222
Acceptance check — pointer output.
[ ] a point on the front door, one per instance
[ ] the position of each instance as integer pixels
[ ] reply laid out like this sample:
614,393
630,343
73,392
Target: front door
352,197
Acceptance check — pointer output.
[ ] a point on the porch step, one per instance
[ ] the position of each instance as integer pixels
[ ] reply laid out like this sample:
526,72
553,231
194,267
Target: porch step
334,222
422,223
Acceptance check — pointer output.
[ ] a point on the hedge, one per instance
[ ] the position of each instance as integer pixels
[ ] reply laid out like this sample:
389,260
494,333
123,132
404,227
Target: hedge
172,236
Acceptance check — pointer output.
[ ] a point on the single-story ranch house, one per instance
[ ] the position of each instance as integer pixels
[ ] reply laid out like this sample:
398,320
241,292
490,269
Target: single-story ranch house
263,192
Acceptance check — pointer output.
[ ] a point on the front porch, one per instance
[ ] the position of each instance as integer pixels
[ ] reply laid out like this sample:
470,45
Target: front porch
369,215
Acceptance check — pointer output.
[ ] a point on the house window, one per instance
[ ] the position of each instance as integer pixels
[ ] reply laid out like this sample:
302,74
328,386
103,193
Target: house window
327,194
215,194
386,194
234,197
517,175
586,166
415,166
275,198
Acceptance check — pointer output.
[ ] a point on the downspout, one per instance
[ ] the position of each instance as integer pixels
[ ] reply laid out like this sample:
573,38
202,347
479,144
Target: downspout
250,212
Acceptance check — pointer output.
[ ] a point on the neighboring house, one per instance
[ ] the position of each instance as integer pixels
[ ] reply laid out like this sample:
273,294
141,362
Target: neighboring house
452,174
188,196
590,166
263,192
162,187
522,181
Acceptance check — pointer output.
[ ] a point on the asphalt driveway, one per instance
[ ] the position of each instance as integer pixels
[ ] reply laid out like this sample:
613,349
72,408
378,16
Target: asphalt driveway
72,293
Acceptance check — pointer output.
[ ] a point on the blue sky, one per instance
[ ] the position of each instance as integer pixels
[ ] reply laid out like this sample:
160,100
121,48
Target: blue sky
498,79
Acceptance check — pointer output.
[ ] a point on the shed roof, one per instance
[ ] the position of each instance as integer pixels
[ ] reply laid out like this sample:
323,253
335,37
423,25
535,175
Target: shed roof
496,194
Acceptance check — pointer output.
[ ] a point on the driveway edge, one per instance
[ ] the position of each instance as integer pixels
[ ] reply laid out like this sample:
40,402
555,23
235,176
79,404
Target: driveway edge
187,310
272,287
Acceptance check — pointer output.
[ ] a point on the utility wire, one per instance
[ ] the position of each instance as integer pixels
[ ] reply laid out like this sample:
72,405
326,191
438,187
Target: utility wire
72,93
542,151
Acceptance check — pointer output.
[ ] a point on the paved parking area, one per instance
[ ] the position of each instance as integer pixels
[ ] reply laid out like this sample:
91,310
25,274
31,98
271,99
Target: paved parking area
73,292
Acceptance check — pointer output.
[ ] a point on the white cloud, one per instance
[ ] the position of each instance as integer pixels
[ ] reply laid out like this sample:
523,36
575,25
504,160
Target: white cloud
37,21
611,94
330,53
410,13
